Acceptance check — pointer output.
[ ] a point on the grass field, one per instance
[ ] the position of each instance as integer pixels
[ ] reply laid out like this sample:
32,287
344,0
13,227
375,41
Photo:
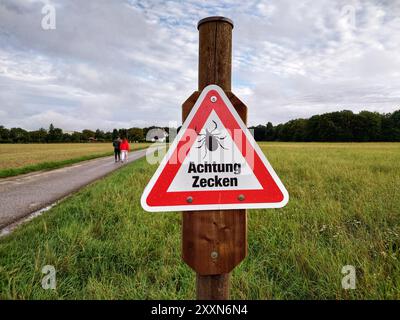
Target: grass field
344,209
23,158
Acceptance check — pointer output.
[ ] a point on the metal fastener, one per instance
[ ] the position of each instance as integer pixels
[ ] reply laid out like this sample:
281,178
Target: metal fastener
214,255
241,197
213,99
189,199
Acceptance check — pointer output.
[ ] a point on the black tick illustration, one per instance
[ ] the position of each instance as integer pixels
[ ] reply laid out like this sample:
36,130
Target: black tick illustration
211,140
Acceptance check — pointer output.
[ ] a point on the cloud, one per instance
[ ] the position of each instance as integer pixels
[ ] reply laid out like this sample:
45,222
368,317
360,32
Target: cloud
132,63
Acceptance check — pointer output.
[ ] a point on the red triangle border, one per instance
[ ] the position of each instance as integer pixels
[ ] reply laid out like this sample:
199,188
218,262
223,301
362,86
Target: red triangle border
156,197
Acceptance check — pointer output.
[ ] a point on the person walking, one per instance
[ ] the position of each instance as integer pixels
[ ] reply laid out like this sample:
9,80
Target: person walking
117,149
124,150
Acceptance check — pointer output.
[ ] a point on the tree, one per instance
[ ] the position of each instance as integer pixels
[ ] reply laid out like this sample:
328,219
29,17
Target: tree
334,126
87,134
66,137
395,119
76,137
4,135
58,135
50,133
135,134
18,135
123,133
294,130
115,134
54,134
372,125
108,136
269,132
391,126
38,136
259,132
99,135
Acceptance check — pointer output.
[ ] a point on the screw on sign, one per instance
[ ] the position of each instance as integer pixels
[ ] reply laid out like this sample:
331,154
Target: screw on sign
214,170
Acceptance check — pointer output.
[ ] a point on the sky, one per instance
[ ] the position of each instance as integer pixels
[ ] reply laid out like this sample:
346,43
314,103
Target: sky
125,63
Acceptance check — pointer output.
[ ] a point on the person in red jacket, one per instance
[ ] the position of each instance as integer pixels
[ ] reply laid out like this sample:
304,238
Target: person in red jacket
124,146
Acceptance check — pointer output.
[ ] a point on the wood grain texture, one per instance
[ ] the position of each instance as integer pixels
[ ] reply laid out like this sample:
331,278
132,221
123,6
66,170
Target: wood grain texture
215,55
223,231
212,287
214,242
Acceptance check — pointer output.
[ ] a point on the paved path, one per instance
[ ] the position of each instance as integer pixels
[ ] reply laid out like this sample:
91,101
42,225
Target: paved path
22,195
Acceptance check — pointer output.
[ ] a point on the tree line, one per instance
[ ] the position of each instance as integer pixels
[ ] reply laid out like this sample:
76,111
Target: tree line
56,135
344,126
341,126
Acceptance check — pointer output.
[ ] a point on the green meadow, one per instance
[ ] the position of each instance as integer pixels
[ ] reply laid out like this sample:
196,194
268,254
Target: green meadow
344,209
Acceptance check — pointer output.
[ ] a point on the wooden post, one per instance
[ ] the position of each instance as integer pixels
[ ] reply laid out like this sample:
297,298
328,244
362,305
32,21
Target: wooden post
214,242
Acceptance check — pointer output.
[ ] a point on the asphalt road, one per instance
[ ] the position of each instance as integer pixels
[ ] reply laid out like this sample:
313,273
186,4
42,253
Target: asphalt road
22,195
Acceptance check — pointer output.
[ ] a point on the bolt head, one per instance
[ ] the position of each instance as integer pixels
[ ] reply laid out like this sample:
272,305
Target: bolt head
213,99
189,199
241,197
214,255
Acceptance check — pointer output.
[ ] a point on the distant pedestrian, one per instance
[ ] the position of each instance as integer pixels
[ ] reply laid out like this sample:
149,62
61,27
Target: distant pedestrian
117,149
124,149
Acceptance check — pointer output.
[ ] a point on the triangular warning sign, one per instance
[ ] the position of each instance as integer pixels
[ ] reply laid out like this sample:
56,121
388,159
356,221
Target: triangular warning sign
214,163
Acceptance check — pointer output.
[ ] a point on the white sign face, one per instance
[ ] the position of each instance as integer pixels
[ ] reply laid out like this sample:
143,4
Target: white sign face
214,163
203,169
